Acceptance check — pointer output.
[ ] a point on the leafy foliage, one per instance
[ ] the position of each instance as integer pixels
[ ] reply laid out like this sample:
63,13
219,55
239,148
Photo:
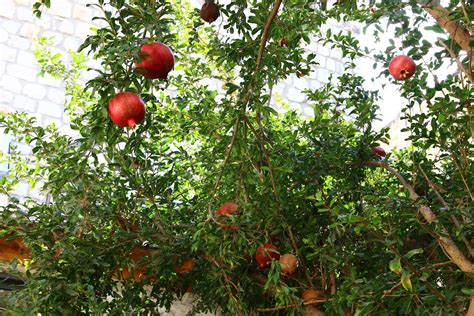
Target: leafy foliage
301,184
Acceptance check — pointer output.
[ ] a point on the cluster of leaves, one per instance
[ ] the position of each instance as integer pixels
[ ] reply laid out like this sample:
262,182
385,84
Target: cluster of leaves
301,184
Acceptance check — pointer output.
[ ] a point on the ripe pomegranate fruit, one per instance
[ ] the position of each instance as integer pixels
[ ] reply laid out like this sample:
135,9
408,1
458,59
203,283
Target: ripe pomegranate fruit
157,60
126,109
186,266
312,294
209,11
379,151
227,209
265,254
289,263
402,67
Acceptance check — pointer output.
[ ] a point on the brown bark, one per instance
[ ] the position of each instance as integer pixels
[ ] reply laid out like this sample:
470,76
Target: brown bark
444,239
458,33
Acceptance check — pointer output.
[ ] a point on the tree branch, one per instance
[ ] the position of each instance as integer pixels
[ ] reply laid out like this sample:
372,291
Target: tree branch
444,239
445,205
266,29
459,34
279,308
468,74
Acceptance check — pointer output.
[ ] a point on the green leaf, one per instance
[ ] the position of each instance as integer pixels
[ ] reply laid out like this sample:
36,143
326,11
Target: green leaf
406,281
395,265
467,291
413,252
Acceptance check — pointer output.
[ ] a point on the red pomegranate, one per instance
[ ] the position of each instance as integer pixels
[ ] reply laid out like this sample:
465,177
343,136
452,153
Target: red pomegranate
289,263
227,209
157,60
379,151
402,67
126,109
265,254
186,266
209,11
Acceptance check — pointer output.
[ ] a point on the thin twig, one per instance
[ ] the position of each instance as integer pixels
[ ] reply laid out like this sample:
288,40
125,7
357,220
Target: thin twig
462,177
445,205
296,249
458,62
266,29
267,157
279,308
226,161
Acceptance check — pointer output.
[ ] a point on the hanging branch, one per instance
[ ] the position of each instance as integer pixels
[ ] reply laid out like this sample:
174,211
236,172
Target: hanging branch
468,74
444,239
279,308
266,29
445,205
459,34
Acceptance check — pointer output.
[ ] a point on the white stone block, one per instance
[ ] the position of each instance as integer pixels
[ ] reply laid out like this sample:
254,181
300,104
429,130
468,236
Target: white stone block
3,66
10,26
330,64
83,13
48,80
23,149
11,84
7,53
321,60
21,189
323,50
23,2
66,27
295,95
72,43
7,9
301,83
30,31
308,110
48,121
336,53
56,95
50,109
34,90
44,23
83,30
5,96
3,200
3,35
61,8
315,84
22,72
24,103
26,58
323,75
16,41
25,14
